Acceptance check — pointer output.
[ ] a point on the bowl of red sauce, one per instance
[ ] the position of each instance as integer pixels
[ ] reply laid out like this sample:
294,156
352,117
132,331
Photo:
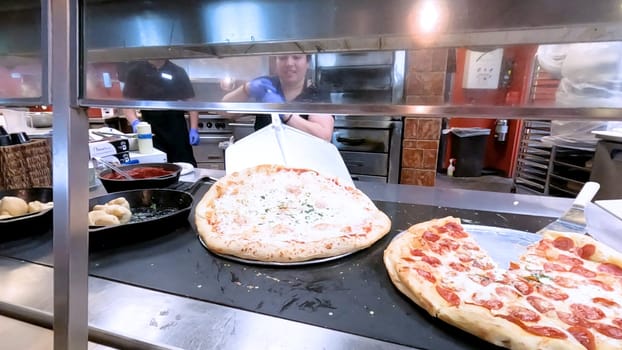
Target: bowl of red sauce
144,175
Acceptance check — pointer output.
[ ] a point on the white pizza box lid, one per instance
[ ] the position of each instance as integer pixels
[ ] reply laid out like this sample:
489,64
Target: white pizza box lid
281,144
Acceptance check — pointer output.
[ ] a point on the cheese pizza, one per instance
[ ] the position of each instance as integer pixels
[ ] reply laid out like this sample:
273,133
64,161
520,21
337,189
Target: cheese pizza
564,292
273,213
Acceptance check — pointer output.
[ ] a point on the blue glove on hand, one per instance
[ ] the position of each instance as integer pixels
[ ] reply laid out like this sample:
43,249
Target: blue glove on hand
257,88
272,97
194,137
135,125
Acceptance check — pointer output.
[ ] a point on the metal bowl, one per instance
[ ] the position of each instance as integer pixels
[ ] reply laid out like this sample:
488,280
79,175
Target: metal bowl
116,185
39,119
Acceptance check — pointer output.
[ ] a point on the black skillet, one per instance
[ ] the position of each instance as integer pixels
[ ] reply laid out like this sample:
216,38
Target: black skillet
34,223
155,212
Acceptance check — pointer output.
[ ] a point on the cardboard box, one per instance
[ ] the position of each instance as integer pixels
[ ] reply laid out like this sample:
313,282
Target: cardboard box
108,147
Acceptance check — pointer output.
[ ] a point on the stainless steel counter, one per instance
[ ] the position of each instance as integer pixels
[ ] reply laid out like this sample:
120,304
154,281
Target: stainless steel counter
178,322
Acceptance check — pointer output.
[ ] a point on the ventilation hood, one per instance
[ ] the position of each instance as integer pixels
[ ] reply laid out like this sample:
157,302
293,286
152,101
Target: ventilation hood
121,30
124,30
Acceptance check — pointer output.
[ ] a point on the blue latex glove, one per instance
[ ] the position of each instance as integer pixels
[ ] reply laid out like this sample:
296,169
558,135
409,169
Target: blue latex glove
272,97
257,88
134,125
194,137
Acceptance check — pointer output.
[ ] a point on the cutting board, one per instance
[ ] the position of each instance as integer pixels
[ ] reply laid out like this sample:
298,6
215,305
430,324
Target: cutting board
613,206
281,144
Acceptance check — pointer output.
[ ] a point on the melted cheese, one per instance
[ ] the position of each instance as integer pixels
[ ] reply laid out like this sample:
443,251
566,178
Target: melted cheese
278,208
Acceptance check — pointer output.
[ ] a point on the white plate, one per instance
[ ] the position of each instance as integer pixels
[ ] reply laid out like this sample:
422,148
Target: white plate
186,168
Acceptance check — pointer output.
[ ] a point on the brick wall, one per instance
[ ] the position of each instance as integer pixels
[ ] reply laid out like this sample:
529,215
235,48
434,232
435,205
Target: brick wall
425,85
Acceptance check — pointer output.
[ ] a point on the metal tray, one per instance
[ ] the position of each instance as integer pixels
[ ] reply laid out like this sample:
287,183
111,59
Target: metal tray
275,263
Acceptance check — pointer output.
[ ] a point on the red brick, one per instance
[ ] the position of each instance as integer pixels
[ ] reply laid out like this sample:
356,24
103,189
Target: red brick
410,128
428,159
429,129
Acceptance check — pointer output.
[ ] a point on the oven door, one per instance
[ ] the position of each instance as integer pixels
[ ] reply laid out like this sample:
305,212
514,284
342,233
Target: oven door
210,153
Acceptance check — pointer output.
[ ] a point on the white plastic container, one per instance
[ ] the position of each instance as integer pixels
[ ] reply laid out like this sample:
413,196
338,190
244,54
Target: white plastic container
451,168
145,138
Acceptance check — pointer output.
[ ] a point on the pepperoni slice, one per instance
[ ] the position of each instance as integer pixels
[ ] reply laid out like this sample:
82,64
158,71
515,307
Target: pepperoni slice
587,312
417,252
565,282
608,330
452,298
453,245
551,292
490,304
586,251
583,336
544,331
569,260
470,246
523,314
563,243
506,292
604,301
580,270
601,284
408,259
439,249
430,236
431,260
459,267
572,320
464,258
452,226
523,286
610,269
483,265
425,274
458,233
549,266
514,266
617,322
540,304
483,280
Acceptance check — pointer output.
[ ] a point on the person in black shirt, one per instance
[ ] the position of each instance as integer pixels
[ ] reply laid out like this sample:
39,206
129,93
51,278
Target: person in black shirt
163,80
289,85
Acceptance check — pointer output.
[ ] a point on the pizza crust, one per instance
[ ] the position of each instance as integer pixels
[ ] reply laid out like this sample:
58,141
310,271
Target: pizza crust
252,242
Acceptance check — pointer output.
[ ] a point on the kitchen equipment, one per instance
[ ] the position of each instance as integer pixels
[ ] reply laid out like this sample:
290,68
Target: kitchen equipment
278,143
39,119
573,219
34,223
114,167
145,137
154,212
215,133
116,185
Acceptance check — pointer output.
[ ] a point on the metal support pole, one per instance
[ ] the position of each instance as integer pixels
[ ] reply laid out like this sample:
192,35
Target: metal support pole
70,180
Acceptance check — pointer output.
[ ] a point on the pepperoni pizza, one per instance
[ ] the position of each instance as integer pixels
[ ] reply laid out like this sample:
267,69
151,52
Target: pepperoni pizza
564,292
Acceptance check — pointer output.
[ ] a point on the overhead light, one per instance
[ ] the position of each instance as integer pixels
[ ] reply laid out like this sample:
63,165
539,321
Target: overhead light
428,16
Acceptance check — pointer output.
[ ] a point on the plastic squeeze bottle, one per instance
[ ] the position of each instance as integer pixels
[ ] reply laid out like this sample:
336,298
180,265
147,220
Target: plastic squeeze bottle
145,138
451,168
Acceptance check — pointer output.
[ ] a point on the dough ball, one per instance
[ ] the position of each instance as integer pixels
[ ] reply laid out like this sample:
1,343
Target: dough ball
5,216
122,213
101,218
36,206
13,206
120,201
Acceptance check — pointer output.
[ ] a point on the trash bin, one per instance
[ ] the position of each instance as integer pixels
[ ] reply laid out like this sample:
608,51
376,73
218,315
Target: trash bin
468,146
